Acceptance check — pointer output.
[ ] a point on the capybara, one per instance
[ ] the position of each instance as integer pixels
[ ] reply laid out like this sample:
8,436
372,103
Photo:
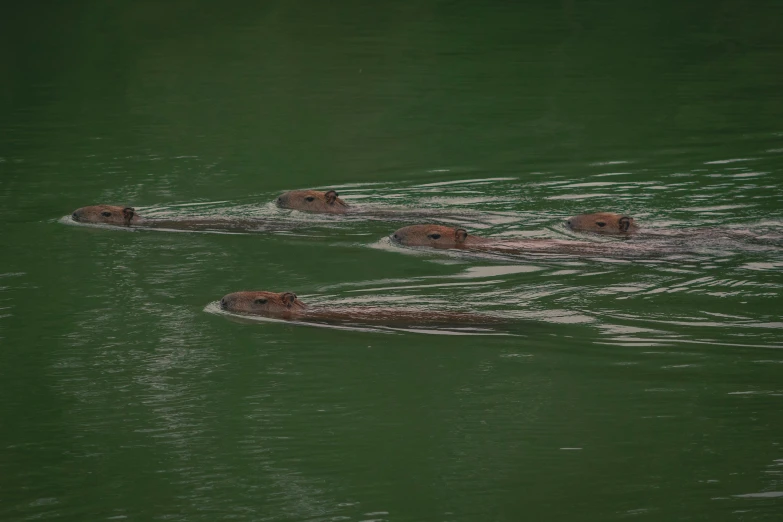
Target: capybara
287,306
443,237
128,217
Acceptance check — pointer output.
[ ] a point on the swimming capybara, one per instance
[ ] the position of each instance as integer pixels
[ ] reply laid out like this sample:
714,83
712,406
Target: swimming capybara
609,223
128,217
287,306
329,202
442,237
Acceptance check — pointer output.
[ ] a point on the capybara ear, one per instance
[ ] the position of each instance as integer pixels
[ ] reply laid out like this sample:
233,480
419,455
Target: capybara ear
625,223
460,235
331,196
288,298
127,214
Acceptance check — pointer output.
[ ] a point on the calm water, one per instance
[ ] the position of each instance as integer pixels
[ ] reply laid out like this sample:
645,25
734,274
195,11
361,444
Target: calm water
649,389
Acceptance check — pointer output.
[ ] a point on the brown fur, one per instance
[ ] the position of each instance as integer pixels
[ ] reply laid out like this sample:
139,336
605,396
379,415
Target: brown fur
313,201
436,236
108,215
602,223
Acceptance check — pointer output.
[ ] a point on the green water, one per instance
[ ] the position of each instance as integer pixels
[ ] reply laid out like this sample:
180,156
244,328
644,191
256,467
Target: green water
649,389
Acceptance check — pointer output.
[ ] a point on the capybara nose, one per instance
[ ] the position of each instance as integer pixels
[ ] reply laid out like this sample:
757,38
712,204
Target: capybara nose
396,237
75,215
280,201
223,303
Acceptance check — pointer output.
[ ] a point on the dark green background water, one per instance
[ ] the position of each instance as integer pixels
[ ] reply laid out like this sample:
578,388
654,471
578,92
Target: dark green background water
650,390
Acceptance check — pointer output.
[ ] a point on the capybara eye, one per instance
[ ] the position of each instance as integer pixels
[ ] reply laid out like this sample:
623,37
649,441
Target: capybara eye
106,213
600,223
309,198
260,300
434,235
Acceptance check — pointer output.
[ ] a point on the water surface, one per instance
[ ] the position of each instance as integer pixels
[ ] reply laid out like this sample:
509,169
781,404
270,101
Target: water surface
644,388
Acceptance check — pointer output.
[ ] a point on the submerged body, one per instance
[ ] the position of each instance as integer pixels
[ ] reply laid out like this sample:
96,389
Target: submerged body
288,307
128,217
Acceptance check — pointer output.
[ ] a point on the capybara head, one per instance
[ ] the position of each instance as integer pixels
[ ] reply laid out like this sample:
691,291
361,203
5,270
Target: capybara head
312,201
107,214
602,223
435,236
262,303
